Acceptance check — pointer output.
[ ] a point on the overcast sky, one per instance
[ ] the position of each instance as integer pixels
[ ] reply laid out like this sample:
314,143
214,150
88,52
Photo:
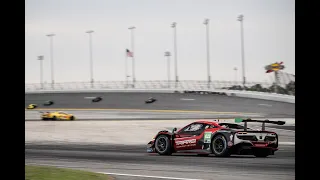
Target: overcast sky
269,34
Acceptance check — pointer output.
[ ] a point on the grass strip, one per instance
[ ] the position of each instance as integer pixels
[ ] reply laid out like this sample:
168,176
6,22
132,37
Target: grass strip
53,173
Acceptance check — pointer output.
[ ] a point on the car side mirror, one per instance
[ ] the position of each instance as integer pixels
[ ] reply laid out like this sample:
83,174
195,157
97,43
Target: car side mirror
174,129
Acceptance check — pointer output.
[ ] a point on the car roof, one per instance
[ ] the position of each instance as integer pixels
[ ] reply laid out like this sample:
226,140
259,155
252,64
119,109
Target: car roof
212,122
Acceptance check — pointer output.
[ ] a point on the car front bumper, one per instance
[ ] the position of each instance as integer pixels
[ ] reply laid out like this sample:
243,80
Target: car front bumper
150,147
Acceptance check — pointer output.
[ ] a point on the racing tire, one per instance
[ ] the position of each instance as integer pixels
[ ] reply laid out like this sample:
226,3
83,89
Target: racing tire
219,146
71,118
261,153
54,118
163,145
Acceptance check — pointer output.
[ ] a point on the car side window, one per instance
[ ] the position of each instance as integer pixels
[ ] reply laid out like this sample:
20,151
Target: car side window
194,129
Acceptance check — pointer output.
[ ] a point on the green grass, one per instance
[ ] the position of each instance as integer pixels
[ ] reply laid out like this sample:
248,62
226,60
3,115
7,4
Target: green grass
52,173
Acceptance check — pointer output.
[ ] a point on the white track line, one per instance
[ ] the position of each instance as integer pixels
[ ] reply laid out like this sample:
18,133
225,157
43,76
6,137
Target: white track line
145,176
268,105
185,99
287,143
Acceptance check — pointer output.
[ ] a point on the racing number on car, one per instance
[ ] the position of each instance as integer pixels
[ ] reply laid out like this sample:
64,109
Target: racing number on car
207,137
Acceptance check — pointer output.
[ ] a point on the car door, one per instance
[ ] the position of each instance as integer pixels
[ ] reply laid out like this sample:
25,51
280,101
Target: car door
63,115
188,137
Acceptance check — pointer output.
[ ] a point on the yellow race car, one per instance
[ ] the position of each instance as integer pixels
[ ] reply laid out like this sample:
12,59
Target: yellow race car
32,106
59,115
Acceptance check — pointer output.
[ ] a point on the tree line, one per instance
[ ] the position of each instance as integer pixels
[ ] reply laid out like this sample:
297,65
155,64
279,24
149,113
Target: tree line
287,89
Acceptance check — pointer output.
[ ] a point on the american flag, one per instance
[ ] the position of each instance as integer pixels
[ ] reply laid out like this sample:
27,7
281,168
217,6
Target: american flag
129,54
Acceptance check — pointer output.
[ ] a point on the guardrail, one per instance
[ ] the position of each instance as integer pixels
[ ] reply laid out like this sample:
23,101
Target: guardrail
159,86
140,85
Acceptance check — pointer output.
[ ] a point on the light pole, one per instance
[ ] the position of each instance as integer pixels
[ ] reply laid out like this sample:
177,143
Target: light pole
240,18
168,54
91,59
40,58
174,26
235,74
51,58
206,23
133,55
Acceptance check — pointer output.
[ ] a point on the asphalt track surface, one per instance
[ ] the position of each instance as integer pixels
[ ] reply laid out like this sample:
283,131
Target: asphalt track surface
134,160
166,101
128,159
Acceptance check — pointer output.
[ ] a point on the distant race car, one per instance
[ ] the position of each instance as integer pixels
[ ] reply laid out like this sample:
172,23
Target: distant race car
59,115
97,99
48,103
32,106
221,139
151,100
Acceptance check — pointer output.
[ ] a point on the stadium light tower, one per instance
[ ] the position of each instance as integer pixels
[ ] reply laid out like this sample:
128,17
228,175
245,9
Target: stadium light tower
240,18
91,59
168,54
51,58
132,28
40,58
174,26
206,23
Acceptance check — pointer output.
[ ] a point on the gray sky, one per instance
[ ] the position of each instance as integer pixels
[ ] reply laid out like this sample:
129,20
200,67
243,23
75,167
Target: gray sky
269,31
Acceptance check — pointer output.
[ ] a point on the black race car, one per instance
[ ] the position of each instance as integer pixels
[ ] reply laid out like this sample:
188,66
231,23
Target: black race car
48,103
97,99
150,100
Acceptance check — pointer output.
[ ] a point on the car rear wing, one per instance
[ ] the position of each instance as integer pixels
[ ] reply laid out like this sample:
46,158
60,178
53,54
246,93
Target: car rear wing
237,120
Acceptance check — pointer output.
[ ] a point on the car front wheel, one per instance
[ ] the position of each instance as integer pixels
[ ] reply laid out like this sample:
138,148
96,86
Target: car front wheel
163,145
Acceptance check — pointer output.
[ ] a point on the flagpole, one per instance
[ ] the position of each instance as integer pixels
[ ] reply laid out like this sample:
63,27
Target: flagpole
206,23
173,25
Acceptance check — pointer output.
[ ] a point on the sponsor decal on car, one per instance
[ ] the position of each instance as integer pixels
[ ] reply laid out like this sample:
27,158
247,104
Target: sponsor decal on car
186,143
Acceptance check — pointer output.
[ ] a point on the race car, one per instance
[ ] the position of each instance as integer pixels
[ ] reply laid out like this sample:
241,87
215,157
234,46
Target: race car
97,99
150,100
32,106
206,137
48,103
59,115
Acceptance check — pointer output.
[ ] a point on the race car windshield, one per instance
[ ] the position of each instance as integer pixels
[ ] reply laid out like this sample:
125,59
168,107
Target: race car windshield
232,126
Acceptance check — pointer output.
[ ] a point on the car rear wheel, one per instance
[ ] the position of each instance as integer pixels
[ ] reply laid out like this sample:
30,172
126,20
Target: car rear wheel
163,145
219,146
71,118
